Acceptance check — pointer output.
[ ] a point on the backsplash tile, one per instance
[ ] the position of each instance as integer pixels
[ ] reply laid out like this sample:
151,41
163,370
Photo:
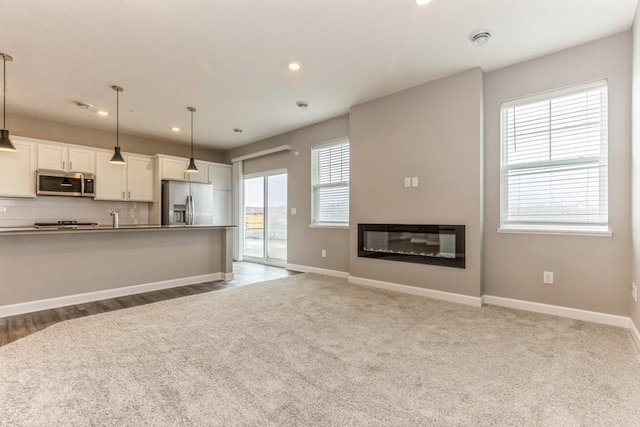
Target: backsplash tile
26,212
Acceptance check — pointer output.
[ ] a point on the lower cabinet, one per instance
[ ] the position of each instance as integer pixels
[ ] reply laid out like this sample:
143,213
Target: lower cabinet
132,181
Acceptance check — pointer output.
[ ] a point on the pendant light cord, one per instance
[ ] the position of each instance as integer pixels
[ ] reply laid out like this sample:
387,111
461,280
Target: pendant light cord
4,92
117,118
191,134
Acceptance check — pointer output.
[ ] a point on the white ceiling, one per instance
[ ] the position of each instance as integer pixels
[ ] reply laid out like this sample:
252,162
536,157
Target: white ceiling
228,58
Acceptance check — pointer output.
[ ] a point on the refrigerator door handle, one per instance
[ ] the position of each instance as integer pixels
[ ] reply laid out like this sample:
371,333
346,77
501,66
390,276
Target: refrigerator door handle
190,210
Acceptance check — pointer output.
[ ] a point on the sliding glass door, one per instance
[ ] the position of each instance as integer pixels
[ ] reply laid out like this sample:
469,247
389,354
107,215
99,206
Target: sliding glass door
265,217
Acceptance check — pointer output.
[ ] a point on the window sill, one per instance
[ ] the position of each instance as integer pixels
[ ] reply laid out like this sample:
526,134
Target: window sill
558,232
329,225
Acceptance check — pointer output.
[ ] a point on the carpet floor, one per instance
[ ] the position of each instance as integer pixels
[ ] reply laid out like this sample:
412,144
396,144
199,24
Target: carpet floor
309,350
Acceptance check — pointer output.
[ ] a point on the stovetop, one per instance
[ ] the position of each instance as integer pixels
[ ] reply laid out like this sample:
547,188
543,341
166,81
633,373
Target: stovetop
65,224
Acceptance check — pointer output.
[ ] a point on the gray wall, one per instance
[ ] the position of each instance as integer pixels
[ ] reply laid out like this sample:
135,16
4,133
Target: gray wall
591,273
434,132
70,134
634,308
304,243
41,266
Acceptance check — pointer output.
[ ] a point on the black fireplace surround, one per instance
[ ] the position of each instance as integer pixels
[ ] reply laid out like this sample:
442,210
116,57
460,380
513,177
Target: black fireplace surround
424,244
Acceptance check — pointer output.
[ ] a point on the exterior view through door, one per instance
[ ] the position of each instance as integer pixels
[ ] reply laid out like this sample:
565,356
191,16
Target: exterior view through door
265,217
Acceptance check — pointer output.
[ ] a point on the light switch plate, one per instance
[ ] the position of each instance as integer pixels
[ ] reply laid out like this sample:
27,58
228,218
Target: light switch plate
414,181
547,277
293,211
407,181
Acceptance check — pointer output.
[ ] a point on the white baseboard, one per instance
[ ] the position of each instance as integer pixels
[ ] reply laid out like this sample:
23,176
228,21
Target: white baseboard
46,304
635,334
413,290
556,310
227,276
307,269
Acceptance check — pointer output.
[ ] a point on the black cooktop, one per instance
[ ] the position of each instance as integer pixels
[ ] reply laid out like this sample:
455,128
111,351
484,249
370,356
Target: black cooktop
64,223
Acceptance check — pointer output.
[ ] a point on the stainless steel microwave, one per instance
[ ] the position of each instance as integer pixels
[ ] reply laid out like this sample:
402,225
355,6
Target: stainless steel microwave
57,183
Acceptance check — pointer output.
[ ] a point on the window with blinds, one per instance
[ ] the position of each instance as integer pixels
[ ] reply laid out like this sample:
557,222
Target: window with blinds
330,183
554,160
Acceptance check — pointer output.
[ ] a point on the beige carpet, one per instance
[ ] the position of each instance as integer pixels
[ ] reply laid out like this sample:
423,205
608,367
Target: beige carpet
308,350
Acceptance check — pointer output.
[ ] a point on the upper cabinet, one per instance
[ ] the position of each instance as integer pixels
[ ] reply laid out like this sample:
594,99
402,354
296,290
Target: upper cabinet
132,181
17,170
65,158
220,176
174,169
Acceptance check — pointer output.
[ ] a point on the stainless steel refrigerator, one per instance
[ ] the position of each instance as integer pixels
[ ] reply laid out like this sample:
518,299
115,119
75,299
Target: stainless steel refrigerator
187,203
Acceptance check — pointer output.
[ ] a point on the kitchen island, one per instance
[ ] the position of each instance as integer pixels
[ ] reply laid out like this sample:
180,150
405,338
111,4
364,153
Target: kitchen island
41,269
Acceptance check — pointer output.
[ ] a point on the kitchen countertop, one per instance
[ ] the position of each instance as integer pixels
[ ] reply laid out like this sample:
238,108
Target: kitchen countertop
105,229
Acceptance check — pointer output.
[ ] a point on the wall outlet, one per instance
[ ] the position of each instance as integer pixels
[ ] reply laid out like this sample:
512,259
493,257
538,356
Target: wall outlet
407,181
293,211
634,292
547,277
324,253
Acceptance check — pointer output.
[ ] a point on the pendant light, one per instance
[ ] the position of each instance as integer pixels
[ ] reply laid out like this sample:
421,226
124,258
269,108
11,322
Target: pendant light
5,142
117,158
192,162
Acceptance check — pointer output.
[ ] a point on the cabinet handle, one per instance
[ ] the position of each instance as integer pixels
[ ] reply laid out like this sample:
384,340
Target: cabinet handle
70,165
128,194
123,194
63,164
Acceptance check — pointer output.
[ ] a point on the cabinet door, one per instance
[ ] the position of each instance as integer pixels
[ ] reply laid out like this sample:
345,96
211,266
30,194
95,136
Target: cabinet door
220,177
52,157
201,176
17,170
81,160
173,168
110,178
221,207
139,178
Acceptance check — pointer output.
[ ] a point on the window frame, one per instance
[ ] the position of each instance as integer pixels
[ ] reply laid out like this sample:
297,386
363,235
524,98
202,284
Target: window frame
314,186
555,227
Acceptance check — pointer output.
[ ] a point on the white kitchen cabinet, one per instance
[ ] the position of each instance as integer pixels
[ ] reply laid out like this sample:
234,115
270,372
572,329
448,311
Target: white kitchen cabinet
132,181
220,176
139,178
221,207
174,169
18,170
110,178
64,158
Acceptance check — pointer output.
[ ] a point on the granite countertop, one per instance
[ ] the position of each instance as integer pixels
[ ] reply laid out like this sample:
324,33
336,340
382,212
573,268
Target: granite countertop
106,228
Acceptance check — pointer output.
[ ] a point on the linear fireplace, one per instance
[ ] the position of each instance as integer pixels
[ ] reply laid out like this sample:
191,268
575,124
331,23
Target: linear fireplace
425,244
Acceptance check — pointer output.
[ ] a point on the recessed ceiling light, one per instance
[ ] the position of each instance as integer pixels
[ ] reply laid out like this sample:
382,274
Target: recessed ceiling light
103,113
480,38
422,2
303,105
294,66
175,129
237,130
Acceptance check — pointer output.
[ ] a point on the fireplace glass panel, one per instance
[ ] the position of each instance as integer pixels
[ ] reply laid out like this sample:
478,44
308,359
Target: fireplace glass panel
428,244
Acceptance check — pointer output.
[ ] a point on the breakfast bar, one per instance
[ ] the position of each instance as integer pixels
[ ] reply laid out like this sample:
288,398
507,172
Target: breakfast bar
47,268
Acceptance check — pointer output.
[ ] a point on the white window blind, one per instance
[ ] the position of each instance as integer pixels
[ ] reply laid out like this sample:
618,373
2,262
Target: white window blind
554,160
330,182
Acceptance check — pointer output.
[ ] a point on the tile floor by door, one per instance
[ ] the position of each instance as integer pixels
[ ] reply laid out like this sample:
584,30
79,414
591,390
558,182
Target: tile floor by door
19,326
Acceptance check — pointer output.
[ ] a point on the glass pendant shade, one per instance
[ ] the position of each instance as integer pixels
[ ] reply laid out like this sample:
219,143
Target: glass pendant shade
192,168
5,142
117,158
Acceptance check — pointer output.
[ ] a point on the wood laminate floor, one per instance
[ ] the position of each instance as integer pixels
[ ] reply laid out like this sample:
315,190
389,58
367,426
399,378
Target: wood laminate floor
16,327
